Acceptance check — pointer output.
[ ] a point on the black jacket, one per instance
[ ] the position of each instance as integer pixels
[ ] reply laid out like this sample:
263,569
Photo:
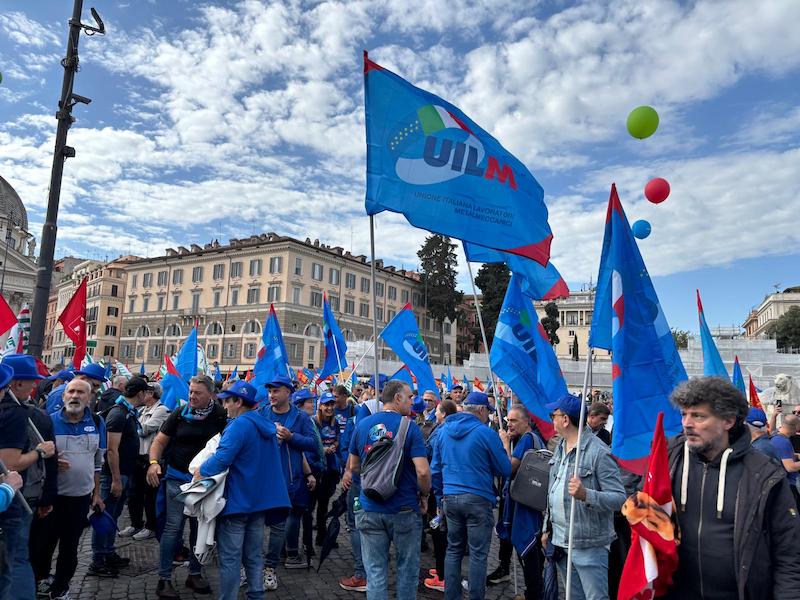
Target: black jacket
107,399
747,550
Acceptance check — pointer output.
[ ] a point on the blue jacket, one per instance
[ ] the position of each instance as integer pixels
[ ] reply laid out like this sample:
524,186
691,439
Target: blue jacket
303,440
55,399
249,450
467,455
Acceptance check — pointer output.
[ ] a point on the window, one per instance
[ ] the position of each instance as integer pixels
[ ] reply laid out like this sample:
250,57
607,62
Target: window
214,328
91,329
334,301
249,350
426,323
447,328
311,349
349,307
155,351
131,304
379,313
404,295
296,295
211,350
114,290
571,332
363,310
230,350
143,331
416,298
255,267
316,299
298,266
91,314
176,300
162,278
172,349
113,311
333,276
197,274
161,302
139,351
236,269
177,277
292,350
251,328
274,293
379,289
365,285
173,330
125,351
234,297
276,264
108,350
390,314
316,271
392,295
147,280
134,280
219,271
195,303
145,304
217,296
350,281
253,295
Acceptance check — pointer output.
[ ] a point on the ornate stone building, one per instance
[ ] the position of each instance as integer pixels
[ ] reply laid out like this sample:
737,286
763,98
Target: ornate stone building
18,269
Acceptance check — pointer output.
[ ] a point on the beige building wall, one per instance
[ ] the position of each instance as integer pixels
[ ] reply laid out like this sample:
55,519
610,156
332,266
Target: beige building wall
575,317
769,311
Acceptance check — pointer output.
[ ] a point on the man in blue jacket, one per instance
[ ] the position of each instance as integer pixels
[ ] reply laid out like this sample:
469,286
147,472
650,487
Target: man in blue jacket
467,455
295,433
249,450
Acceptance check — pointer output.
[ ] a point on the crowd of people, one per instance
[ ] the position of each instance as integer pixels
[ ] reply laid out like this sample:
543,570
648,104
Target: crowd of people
409,466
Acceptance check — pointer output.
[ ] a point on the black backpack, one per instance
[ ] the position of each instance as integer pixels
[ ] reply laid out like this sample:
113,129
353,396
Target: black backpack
529,487
34,475
383,465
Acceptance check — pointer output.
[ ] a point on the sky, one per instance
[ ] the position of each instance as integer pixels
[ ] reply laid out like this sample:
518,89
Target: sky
217,120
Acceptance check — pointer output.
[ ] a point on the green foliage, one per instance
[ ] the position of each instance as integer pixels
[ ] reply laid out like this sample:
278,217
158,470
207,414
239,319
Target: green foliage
681,338
438,262
492,280
787,329
550,322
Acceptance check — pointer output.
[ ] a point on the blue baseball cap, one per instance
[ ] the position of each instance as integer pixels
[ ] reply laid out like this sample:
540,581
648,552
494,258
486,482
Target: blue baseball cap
242,390
63,375
281,380
327,398
24,367
757,418
479,399
567,404
6,375
93,371
300,397
418,405
382,379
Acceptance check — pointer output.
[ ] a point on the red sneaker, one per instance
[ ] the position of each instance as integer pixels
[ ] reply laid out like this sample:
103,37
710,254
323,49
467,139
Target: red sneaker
434,583
354,584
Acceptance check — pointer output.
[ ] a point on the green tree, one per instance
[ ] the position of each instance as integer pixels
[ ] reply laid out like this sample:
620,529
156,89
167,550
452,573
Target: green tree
492,280
787,329
681,338
438,261
550,322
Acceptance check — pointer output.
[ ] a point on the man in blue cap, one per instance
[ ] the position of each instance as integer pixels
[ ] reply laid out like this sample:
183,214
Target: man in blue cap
58,379
249,450
598,492
467,456
760,440
295,433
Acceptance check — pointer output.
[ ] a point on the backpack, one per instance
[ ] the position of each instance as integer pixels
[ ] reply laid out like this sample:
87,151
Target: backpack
530,485
383,465
33,488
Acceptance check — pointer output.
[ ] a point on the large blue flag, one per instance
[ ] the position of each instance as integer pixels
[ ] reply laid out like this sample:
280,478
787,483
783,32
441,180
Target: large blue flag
712,361
519,355
450,382
217,373
403,374
536,281
429,161
738,378
142,369
272,360
403,337
175,387
335,344
234,375
186,360
629,321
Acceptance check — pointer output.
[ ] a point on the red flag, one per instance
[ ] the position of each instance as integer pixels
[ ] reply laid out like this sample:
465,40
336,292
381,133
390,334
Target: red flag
7,317
171,367
250,375
73,320
476,383
755,402
653,556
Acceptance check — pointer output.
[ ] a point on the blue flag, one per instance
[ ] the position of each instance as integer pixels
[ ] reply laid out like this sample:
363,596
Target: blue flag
738,378
403,374
335,344
186,360
519,358
175,387
467,386
450,382
430,162
629,321
712,361
217,372
141,369
536,281
234,376
403,337
272,359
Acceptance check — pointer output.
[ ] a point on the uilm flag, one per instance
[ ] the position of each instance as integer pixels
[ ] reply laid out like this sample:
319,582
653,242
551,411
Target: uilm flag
73,320
653,556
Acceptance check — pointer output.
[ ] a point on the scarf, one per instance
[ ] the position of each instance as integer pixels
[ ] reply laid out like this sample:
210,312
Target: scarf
122,401
197,414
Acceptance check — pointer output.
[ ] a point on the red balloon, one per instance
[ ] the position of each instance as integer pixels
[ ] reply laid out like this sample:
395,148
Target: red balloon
657,190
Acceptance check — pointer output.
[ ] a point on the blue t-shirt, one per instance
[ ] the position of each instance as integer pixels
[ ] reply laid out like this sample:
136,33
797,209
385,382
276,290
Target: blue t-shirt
370,430
765,445
342,414
329,434
280,417
785,450
524,444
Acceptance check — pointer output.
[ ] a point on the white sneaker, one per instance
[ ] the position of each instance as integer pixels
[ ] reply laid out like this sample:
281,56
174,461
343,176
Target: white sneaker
144,534
270,579
127,532
64,596
465,585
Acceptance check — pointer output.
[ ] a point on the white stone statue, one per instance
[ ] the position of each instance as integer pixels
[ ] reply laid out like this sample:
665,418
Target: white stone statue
31,246
786,391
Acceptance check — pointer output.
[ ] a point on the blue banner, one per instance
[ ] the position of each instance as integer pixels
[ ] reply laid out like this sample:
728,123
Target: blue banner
712,361
335,345
272,359
403,337
186,360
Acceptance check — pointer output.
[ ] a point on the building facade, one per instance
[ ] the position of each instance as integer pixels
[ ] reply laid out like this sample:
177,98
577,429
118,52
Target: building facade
469,333
226,291
769,311
575,318
17,256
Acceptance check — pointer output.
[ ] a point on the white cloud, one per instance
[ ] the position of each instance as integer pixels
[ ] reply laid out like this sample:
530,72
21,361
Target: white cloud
27,32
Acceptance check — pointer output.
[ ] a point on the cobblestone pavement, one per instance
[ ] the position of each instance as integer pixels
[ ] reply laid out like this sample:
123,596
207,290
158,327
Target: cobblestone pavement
138,581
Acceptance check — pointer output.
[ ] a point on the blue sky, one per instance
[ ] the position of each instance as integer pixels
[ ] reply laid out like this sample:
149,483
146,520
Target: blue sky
221,119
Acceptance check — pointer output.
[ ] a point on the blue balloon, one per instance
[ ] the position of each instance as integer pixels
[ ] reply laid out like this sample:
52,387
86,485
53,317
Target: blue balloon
641,229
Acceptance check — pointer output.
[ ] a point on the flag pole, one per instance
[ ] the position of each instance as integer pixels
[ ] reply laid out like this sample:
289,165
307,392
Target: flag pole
374,301
587,374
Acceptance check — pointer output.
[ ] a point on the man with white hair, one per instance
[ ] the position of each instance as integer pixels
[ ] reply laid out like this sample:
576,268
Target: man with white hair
109,397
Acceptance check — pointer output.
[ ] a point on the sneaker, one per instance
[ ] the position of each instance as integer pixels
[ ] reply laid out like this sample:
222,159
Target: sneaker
432,572
198,584
99,570
295,562
165,590
43,587
181,560
127,532
465,585
144,534
115,561
62,596
242,577
270,579
353,584
434,583
499,575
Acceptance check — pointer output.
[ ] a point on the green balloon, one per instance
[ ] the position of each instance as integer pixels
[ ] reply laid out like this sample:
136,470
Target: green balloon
642,122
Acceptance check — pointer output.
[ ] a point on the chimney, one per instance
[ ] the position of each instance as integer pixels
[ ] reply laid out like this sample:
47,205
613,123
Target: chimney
171,252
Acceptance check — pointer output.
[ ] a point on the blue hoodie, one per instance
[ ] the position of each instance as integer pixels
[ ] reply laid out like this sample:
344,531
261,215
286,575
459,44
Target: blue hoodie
249,450
467,455
304,439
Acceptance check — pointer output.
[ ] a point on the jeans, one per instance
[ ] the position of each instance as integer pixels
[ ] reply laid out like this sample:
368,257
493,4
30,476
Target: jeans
355,538
589,573
469,520
378,531
103,545
142,497
16,582
239,540
279,532
172,536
